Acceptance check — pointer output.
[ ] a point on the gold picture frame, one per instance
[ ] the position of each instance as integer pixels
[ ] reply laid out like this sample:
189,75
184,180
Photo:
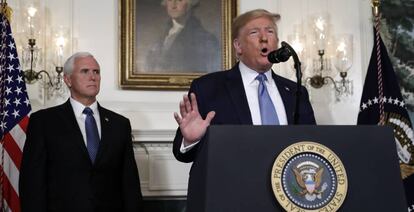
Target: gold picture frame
132,51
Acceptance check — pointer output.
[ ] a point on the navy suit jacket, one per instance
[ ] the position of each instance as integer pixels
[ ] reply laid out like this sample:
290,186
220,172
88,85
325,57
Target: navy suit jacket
223,92
56,171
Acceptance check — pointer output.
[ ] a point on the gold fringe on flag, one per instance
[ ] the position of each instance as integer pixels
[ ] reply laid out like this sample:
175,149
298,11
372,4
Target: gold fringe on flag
6,10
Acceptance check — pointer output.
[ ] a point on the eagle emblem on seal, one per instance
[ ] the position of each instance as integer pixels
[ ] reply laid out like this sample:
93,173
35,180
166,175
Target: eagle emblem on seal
309,178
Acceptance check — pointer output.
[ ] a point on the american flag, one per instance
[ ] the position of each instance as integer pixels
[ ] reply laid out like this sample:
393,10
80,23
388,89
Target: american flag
14,117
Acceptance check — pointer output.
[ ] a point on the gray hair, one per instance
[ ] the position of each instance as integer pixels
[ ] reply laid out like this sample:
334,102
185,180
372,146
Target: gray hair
192,3
70,62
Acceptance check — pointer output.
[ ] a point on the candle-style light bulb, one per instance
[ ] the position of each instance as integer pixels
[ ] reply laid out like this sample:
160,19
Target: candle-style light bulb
31,11
297,45
60,44
321,30
343,52
341,47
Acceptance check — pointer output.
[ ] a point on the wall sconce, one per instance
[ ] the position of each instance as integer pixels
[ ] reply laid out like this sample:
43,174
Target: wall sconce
340,51
33,56
343,59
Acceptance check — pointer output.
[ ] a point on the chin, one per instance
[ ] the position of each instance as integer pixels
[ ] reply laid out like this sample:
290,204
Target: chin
265,68
266,64
93,93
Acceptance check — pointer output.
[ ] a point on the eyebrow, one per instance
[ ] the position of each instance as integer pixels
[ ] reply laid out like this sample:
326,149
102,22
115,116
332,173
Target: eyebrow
266,27
87,69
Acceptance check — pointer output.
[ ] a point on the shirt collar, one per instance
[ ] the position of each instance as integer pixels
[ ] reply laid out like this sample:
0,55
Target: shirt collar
249,75
176,27
79,107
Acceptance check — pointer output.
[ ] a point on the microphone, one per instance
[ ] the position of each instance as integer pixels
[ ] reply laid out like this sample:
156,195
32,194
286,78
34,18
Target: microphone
280,55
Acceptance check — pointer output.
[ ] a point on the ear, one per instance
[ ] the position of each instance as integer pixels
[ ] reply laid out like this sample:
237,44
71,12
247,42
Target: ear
237,46
66,79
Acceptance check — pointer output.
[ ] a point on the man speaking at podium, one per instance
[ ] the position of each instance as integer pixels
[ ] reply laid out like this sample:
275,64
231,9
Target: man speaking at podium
248,94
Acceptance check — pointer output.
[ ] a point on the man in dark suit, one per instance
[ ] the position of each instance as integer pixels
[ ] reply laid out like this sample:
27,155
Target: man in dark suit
78,156
237,96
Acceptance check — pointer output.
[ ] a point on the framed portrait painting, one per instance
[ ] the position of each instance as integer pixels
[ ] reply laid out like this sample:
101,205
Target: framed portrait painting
165,44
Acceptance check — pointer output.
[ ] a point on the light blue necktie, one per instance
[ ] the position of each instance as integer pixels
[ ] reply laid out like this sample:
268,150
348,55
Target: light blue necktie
267,110
92,135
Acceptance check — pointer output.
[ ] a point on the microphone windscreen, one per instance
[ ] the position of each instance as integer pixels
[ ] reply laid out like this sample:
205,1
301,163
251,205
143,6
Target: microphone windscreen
280,55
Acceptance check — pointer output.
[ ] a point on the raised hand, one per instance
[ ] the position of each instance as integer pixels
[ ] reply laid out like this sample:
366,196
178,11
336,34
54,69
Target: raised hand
192,125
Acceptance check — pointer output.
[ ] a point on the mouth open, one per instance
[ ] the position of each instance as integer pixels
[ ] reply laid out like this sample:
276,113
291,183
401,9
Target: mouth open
264,51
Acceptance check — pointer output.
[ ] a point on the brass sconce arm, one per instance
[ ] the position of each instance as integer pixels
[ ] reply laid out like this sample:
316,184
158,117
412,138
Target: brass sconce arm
317,81
31,76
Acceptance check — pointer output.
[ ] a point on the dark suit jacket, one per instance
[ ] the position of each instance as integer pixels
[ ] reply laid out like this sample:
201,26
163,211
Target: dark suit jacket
223,92
57,174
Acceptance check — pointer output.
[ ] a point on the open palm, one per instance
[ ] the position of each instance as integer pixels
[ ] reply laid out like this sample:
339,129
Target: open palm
192,125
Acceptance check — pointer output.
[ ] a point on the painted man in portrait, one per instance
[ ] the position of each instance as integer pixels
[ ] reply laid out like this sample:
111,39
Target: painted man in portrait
184,45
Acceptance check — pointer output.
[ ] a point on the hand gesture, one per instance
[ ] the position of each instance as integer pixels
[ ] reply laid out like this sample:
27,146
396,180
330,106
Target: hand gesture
192,125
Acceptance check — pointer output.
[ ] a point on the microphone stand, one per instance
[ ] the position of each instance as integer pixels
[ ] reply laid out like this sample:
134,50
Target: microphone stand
297,66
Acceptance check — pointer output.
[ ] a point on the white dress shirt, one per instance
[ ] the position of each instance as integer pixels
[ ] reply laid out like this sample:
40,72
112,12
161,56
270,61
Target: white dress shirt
80,117
251,86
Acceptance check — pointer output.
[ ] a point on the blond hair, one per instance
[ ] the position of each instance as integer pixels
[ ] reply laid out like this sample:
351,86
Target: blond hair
244,18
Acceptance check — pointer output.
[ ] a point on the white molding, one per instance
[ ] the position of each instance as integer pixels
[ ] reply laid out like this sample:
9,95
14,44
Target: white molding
148,136
166,173
161,175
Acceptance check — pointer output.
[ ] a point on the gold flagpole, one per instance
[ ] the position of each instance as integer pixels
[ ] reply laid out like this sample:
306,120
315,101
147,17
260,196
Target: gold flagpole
375,7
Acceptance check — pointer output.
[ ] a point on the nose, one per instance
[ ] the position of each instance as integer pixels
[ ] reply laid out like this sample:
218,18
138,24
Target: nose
174,3
263,37
92,75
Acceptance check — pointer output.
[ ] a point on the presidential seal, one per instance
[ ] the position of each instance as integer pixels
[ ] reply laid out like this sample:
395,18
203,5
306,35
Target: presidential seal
308,176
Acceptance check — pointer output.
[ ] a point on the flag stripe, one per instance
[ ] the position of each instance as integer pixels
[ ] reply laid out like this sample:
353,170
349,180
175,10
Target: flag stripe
11,172
10,196
13,150
19,136
6,207
24,122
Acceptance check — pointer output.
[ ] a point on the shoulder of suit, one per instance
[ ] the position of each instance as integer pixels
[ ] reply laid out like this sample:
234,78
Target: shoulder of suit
209,76
212,77
111,114
50,110
285,81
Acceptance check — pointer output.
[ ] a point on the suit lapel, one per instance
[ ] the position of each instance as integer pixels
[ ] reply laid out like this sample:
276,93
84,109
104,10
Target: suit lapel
234,85
105,130
71,124
288,96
